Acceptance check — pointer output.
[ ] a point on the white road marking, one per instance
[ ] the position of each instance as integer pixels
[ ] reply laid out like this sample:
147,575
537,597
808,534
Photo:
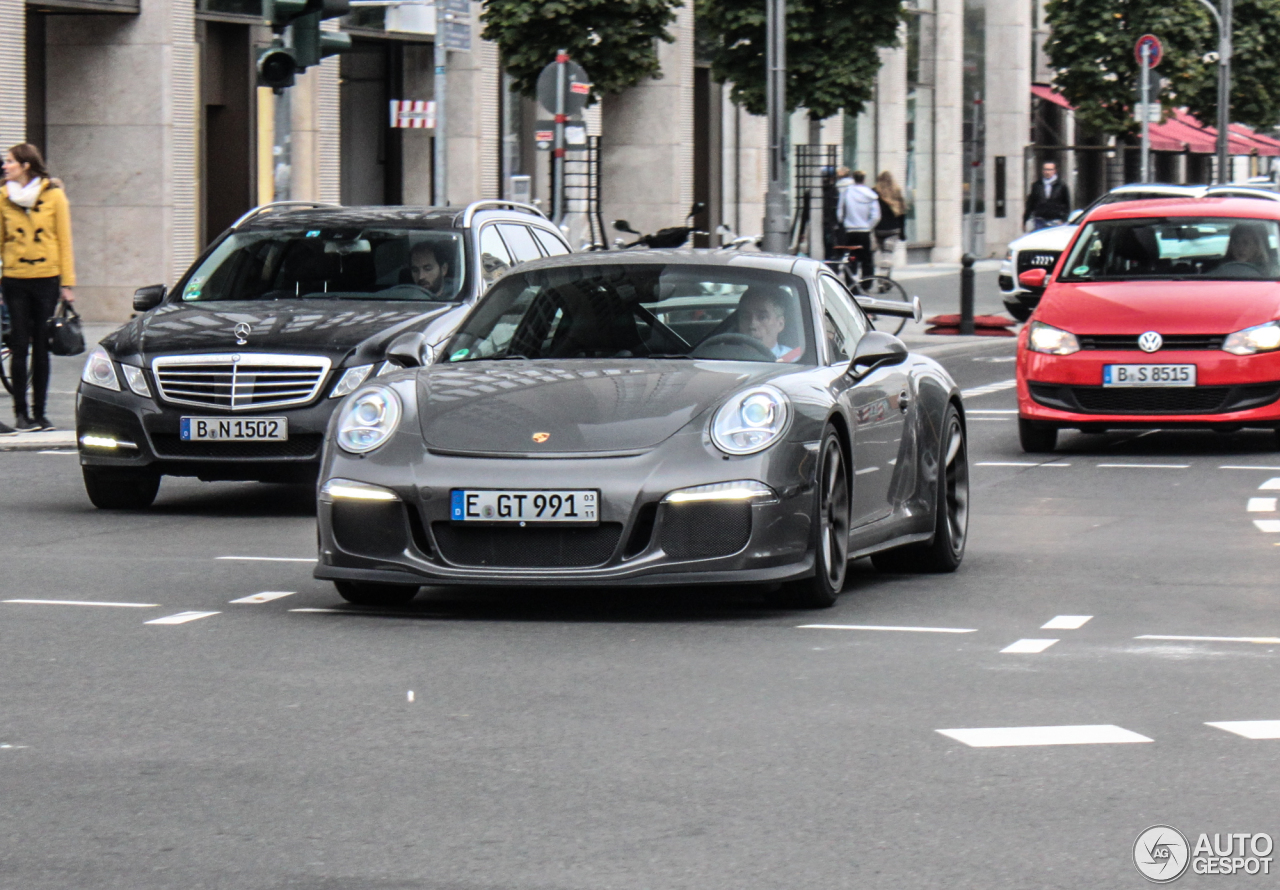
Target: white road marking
922,630
269,558
410,695
1027,647
1016,736
1066,622
84,603
865,470
180,618
1001,386
1019,463
1240,467
1261,505
57,452
1270,485
991,411
1147,466
265,597
1263,640
996,358
1251,729
1270,526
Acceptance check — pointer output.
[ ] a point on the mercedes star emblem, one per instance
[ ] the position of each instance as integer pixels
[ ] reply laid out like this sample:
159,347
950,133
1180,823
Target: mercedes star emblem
243,331
1150,341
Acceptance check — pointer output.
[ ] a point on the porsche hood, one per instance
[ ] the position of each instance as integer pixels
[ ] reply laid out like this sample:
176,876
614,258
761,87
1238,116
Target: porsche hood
575,407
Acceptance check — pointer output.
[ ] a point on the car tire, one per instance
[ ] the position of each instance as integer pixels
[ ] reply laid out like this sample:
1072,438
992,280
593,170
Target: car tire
120,489
1019,310
368,593
1037,438
832,512
945,551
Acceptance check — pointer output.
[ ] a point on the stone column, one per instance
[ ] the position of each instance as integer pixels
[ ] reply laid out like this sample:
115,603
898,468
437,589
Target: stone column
474,140
1008,113
13,73
949,132
122,130
891,134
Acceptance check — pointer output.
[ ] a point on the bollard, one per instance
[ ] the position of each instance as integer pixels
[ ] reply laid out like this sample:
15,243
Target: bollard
966,293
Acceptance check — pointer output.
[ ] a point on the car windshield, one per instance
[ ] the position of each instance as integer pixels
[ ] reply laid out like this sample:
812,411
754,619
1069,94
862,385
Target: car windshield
375,263
1175,248
645,310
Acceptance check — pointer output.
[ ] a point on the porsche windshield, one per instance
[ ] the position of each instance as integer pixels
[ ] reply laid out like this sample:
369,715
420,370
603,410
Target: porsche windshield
640,311
1175,248
375,263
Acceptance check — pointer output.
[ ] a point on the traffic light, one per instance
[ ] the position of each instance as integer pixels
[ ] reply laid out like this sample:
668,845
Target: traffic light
302,42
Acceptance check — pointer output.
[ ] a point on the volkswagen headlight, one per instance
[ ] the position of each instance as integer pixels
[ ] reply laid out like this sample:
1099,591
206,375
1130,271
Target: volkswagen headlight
1262,338
351,379
1048,339
751,421
100,370
368,419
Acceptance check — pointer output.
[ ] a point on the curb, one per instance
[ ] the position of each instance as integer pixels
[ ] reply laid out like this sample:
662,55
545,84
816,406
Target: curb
59,440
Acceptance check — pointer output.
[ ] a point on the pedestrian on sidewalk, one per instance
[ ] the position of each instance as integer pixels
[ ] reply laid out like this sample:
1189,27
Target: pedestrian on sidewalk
889,230
38,270
859,212
1049,202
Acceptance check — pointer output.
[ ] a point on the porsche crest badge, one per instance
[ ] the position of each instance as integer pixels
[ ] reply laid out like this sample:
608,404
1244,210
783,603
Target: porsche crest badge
541,437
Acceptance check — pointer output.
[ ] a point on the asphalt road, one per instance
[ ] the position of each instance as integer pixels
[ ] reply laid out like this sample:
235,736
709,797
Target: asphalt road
678,739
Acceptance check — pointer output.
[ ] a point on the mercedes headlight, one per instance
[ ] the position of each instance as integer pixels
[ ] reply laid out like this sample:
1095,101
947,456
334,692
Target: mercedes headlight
751,421
1262,338
1048,339
351,379
368,419
100,370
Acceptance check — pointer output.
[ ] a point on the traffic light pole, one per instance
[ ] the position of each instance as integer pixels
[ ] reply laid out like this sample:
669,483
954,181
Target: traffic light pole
440,160
775,200
1223,21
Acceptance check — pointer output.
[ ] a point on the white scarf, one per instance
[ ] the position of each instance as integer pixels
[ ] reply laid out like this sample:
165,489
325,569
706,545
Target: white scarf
25,196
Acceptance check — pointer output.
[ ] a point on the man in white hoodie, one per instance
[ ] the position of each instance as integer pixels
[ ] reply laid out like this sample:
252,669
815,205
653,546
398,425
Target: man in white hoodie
858,213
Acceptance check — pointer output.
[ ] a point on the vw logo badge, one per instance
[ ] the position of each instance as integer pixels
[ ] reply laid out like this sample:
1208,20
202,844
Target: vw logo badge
243,331
1150,341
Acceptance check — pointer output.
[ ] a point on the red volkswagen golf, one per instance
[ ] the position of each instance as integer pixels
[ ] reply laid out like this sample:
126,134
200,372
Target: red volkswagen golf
1159,314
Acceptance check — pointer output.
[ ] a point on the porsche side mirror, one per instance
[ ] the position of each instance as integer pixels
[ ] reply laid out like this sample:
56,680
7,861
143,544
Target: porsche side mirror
1033,278
877,349
1075,215
410,350
623,226
148,297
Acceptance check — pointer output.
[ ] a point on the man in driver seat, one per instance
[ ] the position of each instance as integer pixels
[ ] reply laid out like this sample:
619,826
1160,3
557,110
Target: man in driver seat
429,267
762,314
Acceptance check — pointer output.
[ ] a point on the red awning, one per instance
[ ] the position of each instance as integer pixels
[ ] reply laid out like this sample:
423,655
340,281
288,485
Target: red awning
1049,94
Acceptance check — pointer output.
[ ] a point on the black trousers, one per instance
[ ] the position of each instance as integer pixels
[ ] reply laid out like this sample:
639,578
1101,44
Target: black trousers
31,302
864,258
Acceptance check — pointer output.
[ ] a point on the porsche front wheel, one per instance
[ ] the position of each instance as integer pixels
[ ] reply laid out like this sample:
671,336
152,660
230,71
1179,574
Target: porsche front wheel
364,593
831,534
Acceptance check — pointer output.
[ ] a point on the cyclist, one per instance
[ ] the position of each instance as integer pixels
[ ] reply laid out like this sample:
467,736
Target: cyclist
859,212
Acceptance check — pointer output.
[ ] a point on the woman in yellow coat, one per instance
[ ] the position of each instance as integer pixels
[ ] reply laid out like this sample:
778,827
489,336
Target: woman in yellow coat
35,248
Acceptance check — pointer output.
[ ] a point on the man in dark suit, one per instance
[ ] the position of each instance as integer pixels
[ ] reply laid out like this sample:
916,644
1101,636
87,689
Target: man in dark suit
1049,202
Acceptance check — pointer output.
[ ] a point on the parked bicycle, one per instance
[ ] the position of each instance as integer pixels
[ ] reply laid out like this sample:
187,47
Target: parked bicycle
672,236
878,287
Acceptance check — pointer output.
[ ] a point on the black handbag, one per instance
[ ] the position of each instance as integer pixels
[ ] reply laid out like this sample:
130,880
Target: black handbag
63,329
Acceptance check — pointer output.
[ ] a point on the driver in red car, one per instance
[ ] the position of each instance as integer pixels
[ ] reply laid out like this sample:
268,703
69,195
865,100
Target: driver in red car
763,315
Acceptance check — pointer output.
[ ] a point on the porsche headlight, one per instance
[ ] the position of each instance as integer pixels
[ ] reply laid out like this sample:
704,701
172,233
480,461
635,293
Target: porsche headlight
99,370
351,379
368,419
1048,339
1262,338
751,421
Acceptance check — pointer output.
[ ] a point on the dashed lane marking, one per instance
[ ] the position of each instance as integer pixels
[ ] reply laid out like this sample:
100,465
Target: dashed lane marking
1250,729
181,618
866,470
269,558
1066,622
1017,736
1027,647
1261,505
84,603
921,630
1242,467
265,597
1145,466
1000,386
1185,639
1020,463
1270,526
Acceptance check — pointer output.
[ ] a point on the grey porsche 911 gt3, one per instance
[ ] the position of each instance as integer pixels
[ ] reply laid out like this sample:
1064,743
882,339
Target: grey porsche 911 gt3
671,417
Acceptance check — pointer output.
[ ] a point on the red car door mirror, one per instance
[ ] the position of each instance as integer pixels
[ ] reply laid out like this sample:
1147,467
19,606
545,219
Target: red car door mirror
1033,278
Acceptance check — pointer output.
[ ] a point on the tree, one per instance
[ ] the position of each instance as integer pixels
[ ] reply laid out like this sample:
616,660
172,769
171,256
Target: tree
832,58
612,39
1091,46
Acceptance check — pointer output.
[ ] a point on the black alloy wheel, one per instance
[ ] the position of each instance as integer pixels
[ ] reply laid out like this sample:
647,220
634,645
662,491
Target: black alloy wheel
1037,438
126,488
831,534
368,593
951,514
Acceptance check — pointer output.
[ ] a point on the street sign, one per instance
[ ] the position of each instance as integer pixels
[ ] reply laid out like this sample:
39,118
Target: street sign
578,87
575,133
1157,51
413,114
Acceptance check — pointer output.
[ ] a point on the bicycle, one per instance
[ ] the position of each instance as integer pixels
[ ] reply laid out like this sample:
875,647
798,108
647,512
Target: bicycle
879,287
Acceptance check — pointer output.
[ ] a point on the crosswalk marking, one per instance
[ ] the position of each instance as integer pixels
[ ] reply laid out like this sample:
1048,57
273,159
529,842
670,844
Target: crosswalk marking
1251,729
180,618
1027,647
265,597
1261,505
1018,736
1270,485
1066,622
1270,526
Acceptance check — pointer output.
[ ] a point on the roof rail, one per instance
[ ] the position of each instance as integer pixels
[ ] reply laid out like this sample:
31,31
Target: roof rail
476,206
277,205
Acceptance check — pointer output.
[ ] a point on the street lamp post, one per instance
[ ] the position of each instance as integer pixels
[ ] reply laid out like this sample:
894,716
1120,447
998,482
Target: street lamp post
775,200
1223,21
